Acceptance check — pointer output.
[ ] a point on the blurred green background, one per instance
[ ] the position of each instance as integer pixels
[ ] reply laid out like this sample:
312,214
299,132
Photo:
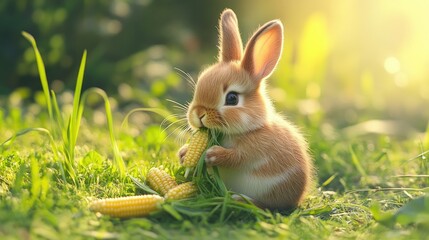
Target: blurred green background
358,65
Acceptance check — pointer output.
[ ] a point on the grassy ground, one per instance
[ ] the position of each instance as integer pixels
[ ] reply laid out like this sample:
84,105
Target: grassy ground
369,186
356,177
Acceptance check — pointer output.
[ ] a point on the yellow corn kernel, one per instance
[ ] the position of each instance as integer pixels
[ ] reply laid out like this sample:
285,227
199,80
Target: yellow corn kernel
126,207
160,181
197,145
182,191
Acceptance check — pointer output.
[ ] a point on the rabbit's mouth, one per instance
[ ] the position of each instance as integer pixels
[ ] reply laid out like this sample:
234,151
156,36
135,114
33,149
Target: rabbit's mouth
200,116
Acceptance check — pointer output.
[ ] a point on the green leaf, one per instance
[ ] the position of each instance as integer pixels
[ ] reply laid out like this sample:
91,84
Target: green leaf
168,208
76,117
318,210
356,162
329,180
415,211
119,162
142,186
42,72
162,112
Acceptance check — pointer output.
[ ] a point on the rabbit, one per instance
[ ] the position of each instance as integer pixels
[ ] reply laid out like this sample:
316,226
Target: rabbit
262,156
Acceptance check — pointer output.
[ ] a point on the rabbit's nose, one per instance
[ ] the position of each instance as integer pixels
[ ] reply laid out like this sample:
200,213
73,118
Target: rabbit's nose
201,117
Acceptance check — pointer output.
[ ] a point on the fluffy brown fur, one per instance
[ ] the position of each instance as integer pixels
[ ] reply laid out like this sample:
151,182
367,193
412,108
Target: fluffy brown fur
262,156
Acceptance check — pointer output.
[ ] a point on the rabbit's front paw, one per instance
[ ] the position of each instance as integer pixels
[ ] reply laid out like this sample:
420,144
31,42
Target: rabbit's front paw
214,154
182,153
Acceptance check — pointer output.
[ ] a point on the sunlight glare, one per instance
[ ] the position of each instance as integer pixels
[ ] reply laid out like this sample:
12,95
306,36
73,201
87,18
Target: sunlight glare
392,65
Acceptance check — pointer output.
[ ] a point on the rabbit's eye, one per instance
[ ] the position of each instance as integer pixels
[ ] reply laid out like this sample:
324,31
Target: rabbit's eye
231,99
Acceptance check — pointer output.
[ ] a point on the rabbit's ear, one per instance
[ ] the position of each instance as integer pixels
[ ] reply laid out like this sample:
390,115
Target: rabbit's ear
230,46
263,50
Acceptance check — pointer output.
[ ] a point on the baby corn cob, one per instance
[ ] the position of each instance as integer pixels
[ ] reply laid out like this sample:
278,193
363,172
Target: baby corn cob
126,207
182,191
160,181
197,145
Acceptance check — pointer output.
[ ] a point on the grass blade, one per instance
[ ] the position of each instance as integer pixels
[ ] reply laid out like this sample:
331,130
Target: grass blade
25,131
142,186
412,176
356,162
45,86
56,108
162,112
75,117
42,73
170,209
120,164
329,180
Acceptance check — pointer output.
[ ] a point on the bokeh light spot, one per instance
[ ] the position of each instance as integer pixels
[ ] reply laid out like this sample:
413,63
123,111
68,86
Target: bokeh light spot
392,65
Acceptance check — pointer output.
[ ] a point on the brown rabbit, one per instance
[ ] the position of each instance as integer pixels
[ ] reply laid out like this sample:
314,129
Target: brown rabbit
262,156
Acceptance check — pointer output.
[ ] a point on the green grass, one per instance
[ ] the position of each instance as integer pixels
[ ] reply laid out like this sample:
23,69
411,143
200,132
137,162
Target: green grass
370,186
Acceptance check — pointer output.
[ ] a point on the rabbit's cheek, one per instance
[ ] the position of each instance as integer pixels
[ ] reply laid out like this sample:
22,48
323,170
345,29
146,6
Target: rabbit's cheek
245,119
193,119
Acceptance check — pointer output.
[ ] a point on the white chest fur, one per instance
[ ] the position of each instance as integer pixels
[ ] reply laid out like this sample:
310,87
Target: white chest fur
242,180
